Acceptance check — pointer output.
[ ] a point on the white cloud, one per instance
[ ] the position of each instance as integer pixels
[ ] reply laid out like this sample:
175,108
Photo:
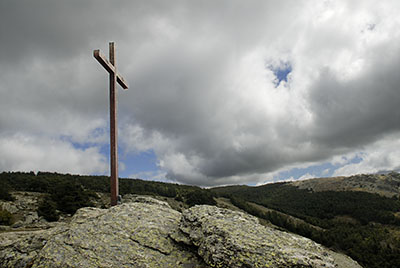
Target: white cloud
306,176
150,175
202,95
378,157
27,153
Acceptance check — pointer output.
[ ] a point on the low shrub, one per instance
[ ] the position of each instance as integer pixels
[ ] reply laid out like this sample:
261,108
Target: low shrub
48,210
5,217
5,191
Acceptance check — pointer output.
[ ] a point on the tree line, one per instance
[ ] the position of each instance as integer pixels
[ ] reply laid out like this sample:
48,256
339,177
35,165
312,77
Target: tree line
66,193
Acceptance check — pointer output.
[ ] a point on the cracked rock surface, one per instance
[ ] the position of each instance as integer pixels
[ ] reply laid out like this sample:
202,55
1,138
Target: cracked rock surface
148,233
227,238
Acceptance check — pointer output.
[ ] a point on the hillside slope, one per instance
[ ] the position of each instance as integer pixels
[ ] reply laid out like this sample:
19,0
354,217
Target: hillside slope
358,215
382,184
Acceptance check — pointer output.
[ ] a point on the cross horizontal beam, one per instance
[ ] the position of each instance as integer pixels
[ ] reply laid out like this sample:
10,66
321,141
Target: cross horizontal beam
109,67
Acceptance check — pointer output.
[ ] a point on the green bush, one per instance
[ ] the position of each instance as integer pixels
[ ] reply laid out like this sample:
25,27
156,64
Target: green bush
5,217
5,191
48,209
199,197
70,196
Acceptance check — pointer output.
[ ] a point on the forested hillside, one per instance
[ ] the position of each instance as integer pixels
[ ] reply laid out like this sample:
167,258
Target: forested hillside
363,225
67,193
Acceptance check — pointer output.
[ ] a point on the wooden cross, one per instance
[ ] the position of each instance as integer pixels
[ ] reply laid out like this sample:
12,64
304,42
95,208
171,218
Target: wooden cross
111,67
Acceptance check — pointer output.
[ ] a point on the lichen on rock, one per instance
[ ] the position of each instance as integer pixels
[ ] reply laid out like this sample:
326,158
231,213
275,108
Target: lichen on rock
227,238
148,233
128,235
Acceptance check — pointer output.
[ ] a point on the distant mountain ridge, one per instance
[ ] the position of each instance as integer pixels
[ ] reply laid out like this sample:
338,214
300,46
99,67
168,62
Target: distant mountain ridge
383,184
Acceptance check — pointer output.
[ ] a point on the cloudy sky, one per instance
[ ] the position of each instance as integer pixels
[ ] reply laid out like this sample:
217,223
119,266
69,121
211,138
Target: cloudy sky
221,92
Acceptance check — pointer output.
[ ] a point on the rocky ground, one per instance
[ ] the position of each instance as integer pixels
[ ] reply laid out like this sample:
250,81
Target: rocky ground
148,233
23,210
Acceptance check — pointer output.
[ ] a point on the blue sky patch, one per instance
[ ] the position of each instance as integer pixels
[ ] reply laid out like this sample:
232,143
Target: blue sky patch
136,163
281,72
130,163
78,145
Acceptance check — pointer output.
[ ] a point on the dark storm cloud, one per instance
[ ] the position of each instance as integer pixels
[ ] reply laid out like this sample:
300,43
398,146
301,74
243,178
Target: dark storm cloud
362,110
203,93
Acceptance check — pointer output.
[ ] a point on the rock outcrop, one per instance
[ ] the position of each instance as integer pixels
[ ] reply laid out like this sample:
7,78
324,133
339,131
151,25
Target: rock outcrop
148,233
227,238
24,208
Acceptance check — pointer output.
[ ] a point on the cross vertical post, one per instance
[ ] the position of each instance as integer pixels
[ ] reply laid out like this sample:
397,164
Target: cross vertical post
113,129
111,67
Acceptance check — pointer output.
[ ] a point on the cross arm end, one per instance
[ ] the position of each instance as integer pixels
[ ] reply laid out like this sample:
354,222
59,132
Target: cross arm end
122,82
103,61
109,67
